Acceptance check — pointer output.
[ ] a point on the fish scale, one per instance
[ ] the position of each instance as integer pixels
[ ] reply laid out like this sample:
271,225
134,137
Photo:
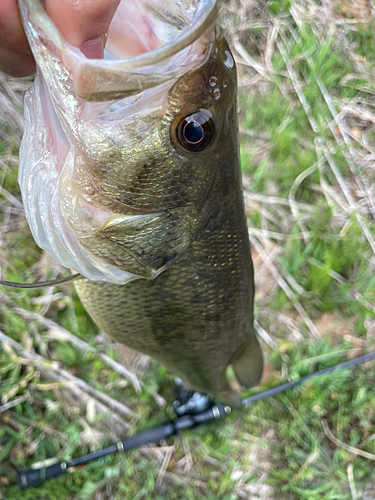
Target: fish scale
196,315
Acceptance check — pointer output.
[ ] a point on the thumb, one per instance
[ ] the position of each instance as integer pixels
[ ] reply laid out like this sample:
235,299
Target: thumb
81,21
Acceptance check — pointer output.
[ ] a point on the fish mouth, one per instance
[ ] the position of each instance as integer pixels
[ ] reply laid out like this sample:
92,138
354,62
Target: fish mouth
161,31
80,153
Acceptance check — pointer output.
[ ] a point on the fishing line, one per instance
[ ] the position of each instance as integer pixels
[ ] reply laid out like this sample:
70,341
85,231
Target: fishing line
41,284
36,477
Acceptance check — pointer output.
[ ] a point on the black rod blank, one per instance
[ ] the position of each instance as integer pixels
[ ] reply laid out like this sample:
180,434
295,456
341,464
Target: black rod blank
36,477
295,383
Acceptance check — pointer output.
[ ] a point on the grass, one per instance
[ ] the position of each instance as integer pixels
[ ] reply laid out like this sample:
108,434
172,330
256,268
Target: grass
307,145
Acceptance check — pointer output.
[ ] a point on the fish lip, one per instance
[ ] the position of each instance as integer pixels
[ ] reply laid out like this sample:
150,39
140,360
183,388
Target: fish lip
99,80
203,19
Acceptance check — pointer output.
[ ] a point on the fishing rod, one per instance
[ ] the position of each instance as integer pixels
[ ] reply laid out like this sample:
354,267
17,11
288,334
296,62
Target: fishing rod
36,477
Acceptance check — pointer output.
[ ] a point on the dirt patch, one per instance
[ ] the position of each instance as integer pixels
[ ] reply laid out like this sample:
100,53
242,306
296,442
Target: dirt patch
269,373
353,9
332,326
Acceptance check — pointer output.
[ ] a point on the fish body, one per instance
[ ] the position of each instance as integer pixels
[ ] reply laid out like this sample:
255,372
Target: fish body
145,191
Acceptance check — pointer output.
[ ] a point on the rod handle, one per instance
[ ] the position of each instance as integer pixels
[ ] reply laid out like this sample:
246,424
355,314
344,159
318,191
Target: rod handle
32,478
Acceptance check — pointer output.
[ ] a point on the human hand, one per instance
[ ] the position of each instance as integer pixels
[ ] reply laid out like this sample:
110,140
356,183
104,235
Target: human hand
79,21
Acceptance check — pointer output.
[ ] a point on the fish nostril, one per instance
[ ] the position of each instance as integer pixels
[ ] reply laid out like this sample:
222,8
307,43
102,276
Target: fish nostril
90,191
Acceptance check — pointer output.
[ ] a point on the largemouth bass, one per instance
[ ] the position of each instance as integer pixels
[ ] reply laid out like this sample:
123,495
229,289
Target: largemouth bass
130,175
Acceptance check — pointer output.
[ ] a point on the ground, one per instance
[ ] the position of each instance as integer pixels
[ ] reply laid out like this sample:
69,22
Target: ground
307,114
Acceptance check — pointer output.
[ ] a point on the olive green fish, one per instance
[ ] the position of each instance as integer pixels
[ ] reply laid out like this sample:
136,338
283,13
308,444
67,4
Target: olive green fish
130,175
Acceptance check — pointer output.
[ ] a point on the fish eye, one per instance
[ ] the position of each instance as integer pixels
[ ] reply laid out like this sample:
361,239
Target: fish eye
196,131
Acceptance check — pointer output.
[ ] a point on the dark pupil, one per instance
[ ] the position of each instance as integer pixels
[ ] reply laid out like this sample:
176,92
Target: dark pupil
193,132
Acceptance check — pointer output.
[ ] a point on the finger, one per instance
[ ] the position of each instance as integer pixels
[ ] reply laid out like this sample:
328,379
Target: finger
81,20
15,63
12,35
